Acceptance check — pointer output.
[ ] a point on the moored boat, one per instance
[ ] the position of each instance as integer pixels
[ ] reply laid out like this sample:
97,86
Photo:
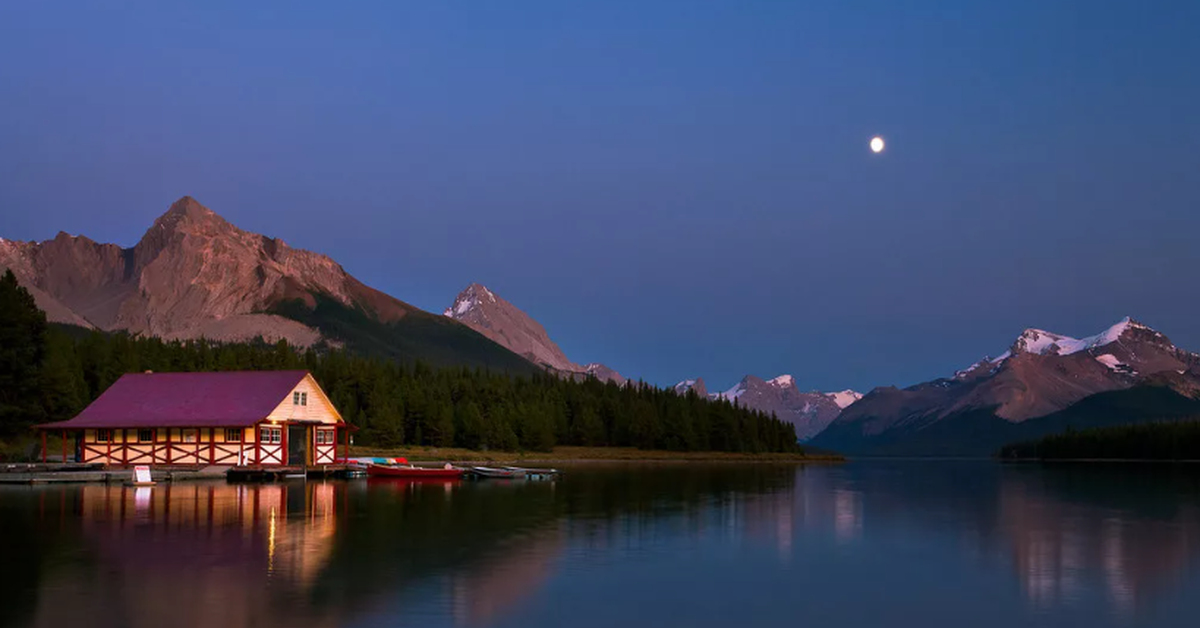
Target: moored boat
537,474
503,473
411,472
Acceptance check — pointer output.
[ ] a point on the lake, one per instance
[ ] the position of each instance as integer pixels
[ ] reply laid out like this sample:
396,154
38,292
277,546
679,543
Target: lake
887,543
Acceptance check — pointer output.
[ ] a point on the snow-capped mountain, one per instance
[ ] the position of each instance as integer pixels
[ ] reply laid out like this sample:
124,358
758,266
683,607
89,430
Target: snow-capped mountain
1041,373
694,385
487,313
810,412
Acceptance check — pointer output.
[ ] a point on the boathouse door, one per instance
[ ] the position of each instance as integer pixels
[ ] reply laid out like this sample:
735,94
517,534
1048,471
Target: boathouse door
297,444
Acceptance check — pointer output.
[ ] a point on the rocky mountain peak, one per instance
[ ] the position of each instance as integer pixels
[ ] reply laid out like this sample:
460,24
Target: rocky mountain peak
695,385
1041,342
844,398
504,323
473,297
187,212
784,381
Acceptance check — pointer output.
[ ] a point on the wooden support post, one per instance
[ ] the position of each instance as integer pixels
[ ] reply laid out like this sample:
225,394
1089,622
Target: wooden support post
284,445
43,446
168,445
212,446
154,445
108,454
257,446
346,445
64,446
124,446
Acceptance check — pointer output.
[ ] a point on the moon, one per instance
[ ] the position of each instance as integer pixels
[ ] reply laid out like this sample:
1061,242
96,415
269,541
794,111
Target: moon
876,144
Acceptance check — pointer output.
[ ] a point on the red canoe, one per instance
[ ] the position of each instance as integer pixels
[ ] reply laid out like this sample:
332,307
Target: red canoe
407,471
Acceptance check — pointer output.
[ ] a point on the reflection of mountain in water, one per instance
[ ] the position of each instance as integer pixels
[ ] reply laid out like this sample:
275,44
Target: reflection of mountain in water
325,553
1070,533
1121,531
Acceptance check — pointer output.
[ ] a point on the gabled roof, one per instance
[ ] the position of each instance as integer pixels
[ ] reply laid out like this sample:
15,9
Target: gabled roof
226,399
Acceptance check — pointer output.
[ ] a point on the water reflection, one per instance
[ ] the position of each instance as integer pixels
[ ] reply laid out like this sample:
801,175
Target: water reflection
186,554
1129,532
1088,545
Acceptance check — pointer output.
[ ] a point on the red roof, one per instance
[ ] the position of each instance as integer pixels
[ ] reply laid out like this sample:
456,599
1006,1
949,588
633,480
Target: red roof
226,399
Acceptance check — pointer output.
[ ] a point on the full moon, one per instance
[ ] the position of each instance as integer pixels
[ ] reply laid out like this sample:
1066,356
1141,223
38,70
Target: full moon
876,144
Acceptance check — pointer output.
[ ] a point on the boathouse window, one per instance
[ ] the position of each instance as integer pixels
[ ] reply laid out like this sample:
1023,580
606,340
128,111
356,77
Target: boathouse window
299,399
189,436
145,436
272,435
324,437
233,436
304,399
103,436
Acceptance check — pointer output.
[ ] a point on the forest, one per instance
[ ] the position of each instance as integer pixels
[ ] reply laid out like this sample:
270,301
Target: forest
50,372
1163,440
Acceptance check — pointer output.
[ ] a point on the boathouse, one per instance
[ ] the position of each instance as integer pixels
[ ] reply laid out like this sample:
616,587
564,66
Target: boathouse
229,418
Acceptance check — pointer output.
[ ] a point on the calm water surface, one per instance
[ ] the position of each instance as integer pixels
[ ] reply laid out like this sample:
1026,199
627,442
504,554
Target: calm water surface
899,543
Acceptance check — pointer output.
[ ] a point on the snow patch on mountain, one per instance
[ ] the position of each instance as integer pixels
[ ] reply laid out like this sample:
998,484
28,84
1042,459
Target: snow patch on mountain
844,398
1042,342
733,393
783,380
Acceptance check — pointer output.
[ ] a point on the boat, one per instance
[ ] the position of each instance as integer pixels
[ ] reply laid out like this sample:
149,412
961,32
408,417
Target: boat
411,472
503,473
537,473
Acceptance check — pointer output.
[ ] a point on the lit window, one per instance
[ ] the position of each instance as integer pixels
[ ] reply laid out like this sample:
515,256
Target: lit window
189,436
145,436
233,436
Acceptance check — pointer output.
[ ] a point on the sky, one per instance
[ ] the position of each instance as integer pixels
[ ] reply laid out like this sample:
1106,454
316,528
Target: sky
673,188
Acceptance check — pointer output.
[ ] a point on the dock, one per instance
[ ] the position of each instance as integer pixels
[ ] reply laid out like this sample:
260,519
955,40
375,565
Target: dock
98,473
260,473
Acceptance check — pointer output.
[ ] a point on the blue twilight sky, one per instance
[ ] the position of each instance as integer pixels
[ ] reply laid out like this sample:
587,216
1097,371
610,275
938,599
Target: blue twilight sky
674,188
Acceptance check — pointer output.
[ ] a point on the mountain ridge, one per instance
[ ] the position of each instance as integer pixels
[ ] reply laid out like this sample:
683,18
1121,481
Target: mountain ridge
194,274
1041,374
493,316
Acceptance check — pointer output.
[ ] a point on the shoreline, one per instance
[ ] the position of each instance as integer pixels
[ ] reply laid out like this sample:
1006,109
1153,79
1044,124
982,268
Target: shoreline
561,455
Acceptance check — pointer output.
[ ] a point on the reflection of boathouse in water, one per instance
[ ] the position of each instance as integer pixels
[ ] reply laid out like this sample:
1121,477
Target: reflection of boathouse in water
192,554
233,418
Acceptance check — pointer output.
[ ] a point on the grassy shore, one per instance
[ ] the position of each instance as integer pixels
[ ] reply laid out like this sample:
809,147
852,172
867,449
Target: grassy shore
582,454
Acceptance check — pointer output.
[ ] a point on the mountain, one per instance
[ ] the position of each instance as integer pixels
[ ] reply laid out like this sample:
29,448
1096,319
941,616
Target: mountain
487,313
193,274
1041,374
810,412
695,385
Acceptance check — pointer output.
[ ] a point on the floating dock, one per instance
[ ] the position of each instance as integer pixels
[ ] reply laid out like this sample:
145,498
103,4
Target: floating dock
98,473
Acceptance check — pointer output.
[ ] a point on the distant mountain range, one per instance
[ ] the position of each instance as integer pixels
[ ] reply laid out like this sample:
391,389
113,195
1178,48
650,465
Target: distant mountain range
1036,387
810,412
193,274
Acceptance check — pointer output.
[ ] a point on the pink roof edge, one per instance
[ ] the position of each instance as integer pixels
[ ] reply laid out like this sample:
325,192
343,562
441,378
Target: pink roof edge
199,399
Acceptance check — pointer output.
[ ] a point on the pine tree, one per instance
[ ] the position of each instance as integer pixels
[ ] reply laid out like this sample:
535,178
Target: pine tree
22,353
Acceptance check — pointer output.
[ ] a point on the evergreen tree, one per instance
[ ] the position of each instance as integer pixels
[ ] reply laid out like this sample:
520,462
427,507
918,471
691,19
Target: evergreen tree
22,352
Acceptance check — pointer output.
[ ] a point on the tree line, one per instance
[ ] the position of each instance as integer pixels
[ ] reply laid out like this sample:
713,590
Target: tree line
1163,440
51,372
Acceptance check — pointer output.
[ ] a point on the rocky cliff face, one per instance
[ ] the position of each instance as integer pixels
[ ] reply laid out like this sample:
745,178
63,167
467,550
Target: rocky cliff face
496,318
192,274
487,313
